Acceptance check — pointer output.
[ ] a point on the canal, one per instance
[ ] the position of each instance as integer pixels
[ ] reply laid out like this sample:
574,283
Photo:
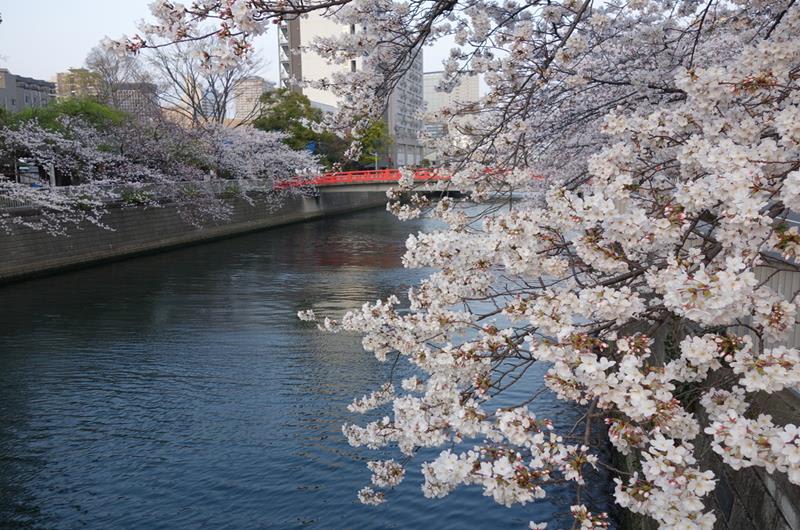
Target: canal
179,390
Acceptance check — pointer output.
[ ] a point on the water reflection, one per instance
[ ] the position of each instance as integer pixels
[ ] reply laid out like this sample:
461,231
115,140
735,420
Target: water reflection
179,390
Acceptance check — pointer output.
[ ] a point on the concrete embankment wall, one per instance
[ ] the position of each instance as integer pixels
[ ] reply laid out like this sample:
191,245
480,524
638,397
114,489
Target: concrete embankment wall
751,497
744,499
26,253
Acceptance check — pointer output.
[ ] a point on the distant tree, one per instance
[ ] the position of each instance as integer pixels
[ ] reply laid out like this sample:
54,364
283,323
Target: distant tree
95,114
292,113
113,71
252,155
187,87
375,140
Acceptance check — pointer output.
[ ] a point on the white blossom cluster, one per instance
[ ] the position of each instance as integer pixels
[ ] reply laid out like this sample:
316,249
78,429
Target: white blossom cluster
386,473
374,400
670,488
744,442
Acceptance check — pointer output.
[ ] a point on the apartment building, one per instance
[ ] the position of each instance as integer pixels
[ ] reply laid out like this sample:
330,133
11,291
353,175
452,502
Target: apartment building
405,103
17,92
466,91
78,83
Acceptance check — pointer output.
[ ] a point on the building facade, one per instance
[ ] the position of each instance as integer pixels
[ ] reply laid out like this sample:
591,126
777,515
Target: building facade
466,91
139,99
17,92
78,83
297,63
247,97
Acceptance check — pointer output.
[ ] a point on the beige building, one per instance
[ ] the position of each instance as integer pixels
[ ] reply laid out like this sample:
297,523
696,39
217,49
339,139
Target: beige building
405,103
77,83
17,92
247,97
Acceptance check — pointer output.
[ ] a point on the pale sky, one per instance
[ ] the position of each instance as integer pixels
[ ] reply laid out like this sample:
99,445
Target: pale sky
39,38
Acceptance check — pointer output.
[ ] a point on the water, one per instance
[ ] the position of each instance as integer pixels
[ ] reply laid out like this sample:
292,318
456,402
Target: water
179,391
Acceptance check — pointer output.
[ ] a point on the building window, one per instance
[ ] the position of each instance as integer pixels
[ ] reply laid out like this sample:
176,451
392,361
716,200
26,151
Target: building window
352,28
352,66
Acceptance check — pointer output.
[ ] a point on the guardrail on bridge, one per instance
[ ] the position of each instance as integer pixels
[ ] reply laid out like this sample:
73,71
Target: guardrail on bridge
339,178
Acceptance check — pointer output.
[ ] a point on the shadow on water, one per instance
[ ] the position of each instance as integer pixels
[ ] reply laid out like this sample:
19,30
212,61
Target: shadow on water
180,391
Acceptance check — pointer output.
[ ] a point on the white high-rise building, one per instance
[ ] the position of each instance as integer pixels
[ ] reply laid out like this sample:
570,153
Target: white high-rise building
247,96
405,103
466,91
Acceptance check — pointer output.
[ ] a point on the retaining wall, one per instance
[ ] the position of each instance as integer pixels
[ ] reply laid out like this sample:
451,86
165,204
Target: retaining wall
26,253
751,497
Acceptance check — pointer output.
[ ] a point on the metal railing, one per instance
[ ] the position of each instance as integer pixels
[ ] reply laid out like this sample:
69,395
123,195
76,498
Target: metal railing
118,192
131,193
13,202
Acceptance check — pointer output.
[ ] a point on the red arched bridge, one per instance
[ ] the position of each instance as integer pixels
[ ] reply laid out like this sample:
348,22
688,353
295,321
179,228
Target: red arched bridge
387,176
371,176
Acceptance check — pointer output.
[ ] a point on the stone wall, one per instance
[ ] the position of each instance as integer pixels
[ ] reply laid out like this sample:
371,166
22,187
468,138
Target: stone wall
27,253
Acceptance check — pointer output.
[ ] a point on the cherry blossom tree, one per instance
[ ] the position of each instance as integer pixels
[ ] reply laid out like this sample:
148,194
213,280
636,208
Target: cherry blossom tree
260,157
146,164
669,133
74,155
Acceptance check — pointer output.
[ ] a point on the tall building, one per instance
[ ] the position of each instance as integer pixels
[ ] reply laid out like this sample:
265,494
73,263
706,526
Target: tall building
466,91
405,103
78,83
17,92
247,97
140,99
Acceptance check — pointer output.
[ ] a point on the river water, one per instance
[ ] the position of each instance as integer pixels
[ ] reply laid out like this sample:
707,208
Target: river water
180,391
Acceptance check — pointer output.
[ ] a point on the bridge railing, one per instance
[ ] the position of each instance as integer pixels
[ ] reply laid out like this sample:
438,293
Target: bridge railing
115,192
339,178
